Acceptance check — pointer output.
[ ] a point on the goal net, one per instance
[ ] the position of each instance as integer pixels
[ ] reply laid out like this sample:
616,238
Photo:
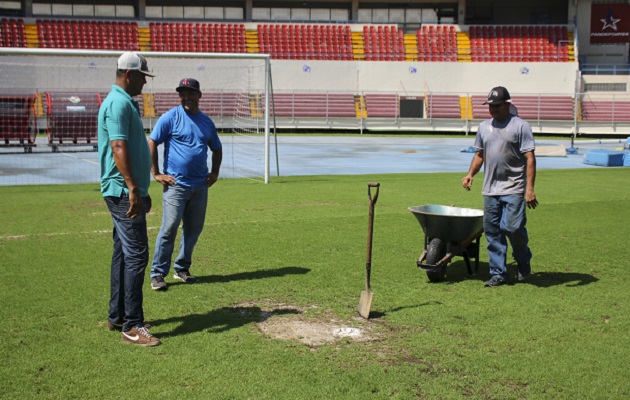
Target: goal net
57,93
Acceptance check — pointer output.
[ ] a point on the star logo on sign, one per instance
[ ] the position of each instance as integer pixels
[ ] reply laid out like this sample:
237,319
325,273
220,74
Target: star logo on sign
610,22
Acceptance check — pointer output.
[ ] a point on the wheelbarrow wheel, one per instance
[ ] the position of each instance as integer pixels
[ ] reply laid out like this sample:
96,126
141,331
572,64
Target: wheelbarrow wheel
435,252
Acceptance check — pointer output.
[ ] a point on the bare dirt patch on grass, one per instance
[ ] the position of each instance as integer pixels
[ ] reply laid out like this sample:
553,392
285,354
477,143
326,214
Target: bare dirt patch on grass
308,326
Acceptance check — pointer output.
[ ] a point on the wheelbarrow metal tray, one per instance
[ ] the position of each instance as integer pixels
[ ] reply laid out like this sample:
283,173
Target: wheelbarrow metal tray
451,224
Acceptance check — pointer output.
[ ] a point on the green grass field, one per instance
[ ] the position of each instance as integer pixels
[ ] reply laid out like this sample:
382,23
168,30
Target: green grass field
294,250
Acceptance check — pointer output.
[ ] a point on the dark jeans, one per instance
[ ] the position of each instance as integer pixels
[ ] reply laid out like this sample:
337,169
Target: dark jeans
129,261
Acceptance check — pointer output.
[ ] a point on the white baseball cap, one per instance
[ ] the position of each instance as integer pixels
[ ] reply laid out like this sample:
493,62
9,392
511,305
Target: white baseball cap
135,62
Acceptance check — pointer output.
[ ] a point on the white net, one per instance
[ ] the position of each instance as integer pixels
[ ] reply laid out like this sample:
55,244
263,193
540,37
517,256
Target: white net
49,103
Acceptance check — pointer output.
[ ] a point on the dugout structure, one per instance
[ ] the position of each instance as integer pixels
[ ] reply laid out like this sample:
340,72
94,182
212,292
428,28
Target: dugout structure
18,124
72,119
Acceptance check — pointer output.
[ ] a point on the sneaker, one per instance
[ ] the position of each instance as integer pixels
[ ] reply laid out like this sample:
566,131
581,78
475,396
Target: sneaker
524,270
140,337
496,280
184,276
157,283
118,327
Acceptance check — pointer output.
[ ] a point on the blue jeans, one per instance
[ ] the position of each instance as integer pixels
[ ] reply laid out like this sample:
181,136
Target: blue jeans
129,261
504,218
179,204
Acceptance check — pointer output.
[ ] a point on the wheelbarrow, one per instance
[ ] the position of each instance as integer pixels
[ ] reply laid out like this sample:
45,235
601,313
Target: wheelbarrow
448,232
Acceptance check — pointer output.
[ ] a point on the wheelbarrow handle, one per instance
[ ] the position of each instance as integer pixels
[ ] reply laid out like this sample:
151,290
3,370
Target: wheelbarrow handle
373,185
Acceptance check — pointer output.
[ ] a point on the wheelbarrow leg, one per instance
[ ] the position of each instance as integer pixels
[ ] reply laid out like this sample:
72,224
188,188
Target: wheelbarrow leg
472,251
467,259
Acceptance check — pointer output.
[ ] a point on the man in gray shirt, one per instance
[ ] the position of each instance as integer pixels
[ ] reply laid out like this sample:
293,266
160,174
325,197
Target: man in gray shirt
505,146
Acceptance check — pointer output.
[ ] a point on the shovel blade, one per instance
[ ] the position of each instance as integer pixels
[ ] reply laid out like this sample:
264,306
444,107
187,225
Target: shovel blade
365,302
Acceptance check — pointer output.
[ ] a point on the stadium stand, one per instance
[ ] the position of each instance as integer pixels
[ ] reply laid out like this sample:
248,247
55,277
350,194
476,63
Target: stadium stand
437,43
12,33
305,42
77,34
72,117
214,104
383,43
298,41
443,106
314,105
532,107
18,125
382,105
601,111
198,37
513,43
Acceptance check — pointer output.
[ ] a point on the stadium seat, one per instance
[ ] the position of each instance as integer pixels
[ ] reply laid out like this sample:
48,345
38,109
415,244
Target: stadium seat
531,107
518,43
382,105
443,106
606,110
320,105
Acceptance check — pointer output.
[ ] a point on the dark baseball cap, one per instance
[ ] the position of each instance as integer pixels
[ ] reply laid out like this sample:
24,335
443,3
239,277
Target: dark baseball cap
498,95
188,83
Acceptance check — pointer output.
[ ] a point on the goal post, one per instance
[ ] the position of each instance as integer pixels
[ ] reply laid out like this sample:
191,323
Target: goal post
236,91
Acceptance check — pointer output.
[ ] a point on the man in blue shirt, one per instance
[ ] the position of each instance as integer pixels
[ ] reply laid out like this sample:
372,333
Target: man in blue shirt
505,147
186,133
125,176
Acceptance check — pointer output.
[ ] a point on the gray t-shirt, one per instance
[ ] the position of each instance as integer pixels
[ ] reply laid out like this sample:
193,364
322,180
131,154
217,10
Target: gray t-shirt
503,145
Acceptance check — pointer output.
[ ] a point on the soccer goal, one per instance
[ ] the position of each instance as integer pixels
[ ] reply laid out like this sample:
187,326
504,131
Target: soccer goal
70,84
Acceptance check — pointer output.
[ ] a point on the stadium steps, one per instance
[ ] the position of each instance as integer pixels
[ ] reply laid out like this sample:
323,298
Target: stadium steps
148,104
358,49
256,106
465,106
359,105
571,50
39,105
252,44
463,47
31,35
144,38
411,47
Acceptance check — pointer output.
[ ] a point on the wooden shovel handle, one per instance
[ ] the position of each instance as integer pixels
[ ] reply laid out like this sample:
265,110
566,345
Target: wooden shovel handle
368,264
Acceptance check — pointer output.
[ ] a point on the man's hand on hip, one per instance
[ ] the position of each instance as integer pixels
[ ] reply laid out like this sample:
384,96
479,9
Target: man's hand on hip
165,180
212,178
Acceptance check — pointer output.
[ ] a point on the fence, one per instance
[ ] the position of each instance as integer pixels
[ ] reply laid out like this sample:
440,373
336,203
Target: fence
584,113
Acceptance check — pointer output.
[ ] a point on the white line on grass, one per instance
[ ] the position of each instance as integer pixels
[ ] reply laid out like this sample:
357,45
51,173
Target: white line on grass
16,237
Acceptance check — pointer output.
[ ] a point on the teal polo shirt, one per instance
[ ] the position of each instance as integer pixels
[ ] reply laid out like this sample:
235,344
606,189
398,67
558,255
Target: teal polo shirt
119,119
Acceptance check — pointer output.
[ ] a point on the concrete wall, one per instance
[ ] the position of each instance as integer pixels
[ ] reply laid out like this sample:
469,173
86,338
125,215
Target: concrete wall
98,73
413,77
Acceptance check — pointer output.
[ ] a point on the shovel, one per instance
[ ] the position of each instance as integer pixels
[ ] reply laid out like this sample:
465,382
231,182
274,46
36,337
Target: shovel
366,295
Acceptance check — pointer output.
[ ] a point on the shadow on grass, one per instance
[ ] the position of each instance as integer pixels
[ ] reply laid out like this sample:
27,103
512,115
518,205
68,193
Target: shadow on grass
570,279
219,320
457,272
246,276
380,314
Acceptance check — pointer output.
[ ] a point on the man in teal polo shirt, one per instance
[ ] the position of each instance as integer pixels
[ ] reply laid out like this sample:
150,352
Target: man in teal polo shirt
125,176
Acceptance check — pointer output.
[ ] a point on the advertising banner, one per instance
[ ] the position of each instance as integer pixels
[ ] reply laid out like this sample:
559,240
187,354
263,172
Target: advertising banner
610,23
